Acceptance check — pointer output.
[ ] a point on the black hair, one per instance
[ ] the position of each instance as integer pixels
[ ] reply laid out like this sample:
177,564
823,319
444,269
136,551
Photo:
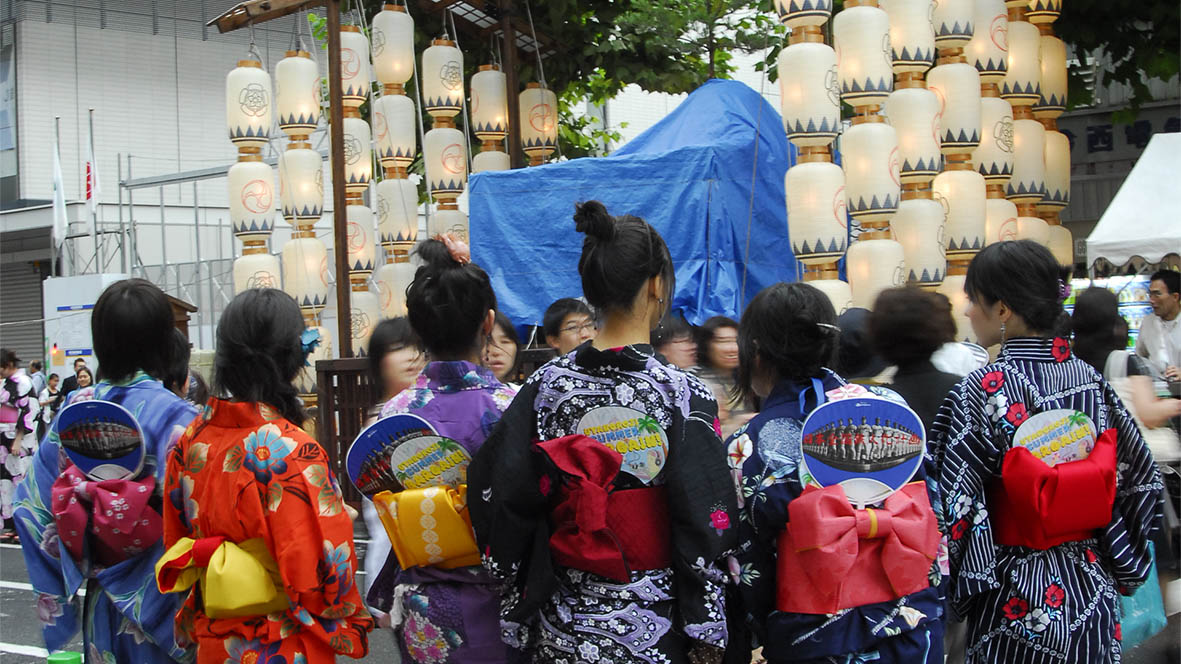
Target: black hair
259,351
88,373
79,359
1172,279
8,358
132,327
551,322
705,334
908,324
506,326
857,357
448,301
1095,323
390,335
198,393
672,327
790,329
52,376
618,255
1024,275
177,374
34,366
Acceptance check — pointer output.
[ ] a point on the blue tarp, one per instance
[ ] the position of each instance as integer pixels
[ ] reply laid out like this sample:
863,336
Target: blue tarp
690,176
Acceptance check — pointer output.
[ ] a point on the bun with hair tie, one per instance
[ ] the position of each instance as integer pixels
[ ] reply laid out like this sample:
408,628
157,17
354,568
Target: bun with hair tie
592,219
460,253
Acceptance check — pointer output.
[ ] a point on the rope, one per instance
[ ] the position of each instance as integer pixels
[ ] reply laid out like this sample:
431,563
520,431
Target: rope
422,134
541,71
467,139
754,173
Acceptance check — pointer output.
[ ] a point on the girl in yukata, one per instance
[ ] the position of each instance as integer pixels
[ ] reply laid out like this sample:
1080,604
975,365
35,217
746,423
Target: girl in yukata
786,337
1039,555
19,407
254,522
123,616
439,612
603,501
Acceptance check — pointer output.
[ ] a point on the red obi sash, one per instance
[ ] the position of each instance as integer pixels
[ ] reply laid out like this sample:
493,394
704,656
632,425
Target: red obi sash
1038,506
596,529
833,557
116,512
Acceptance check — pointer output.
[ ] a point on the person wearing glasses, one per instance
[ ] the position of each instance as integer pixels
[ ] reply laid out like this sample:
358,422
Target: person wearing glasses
674,339
567,324
1160,334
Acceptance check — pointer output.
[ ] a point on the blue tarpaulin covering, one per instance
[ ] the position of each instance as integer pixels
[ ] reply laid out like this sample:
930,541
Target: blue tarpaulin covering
691,176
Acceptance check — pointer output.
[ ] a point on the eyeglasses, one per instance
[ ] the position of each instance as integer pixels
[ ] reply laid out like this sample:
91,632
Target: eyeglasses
587,326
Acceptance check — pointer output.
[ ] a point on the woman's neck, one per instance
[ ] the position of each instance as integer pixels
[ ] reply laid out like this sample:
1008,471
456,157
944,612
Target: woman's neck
474,355
622,329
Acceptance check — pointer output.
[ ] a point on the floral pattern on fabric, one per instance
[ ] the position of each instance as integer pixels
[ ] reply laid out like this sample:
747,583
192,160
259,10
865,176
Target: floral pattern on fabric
18,442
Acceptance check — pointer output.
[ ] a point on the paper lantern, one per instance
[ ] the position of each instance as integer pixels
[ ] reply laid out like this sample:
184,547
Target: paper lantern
1061,244
798,13
869,156
912,38
1043,11
491,160
962,194
442,79
391,281
1022,83
957,85
988,50
953,288
364,314
301,185
444,151
394,118
918,227
913,112
489,108
446,220
809,96
257,270
248,104
816,219
994,155
297,94
1028,183
539,122
954,23
1057,160
861,38
355,76
397,213
1051,101
358,155
252,199
836,291
1000,220
1033,228
362,249
305,381
392,31
873,266
305,272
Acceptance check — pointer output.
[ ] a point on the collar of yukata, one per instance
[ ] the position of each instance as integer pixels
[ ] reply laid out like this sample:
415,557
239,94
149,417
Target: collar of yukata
236,414
456,376
787,392
1036,349
634,357
103,386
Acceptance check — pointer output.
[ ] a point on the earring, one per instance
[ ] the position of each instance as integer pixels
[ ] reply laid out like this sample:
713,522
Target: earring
1003,337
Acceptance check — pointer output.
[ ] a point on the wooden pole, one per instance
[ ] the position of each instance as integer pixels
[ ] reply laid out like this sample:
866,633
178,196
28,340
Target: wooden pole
340,231
509,46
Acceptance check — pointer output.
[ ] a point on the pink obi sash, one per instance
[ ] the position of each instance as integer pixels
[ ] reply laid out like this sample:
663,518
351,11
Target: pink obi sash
116,511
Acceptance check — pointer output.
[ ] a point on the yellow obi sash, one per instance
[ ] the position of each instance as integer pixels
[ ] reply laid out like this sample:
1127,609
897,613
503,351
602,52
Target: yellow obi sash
237,579
429,527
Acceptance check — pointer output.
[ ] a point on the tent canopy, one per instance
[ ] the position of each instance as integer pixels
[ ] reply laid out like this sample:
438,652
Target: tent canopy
1144,218
708,177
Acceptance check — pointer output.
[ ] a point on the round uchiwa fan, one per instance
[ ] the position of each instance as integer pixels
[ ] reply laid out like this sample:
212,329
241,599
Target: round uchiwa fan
869,445
102,439
402,452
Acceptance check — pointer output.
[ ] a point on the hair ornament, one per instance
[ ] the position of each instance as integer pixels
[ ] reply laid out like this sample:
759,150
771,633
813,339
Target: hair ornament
309,339
828,327
1064,290
460,253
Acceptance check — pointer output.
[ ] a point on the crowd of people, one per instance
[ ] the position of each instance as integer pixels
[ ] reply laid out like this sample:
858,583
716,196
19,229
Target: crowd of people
233,544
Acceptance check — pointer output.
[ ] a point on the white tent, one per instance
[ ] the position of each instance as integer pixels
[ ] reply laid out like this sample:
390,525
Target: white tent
1144,218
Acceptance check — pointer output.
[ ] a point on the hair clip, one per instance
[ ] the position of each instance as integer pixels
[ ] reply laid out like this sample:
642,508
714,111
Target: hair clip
309,339
460,253
1064,290
827,326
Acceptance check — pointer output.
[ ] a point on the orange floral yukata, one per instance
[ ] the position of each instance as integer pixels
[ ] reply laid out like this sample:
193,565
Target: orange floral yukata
241,471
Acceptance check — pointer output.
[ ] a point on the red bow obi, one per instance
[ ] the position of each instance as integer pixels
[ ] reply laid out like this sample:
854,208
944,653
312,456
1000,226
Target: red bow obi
116,512
1039,506
833,557
596,529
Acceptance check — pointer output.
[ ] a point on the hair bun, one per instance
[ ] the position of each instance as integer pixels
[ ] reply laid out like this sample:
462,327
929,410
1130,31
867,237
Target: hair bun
435,255
592,219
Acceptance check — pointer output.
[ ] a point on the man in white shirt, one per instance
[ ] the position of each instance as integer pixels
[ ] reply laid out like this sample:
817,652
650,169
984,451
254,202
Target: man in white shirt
1160,334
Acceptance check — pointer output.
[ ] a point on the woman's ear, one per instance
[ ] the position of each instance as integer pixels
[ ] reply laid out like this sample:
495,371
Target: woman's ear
488,324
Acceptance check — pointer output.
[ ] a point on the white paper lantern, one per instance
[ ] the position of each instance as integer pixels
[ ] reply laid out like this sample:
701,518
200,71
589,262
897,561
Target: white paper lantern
918,227
491,160
957,85
393,45
394,118
355,75
1057,155
994,156
953,288
914,115
489,108
301,185
391,281
1043,11
954,22
816,219
297,94
256,271
305,381
364,314
397,213
449,221
358,155
988,50
912,37
799,13
1033,228
1000,220
869,156
861,38
305,272
1051,102
248,104
445,154
442,79
810,98
362,249
1022,84
837,292
872,266
1028,183
539,121
251,189
962,194
1061,244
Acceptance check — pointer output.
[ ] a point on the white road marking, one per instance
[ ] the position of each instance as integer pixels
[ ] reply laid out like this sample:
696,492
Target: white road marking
29,651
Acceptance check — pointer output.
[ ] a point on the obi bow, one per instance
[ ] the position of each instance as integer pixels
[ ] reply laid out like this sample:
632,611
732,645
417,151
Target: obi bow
429,527
116,512
1040,506
236,579
595,529
833,557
